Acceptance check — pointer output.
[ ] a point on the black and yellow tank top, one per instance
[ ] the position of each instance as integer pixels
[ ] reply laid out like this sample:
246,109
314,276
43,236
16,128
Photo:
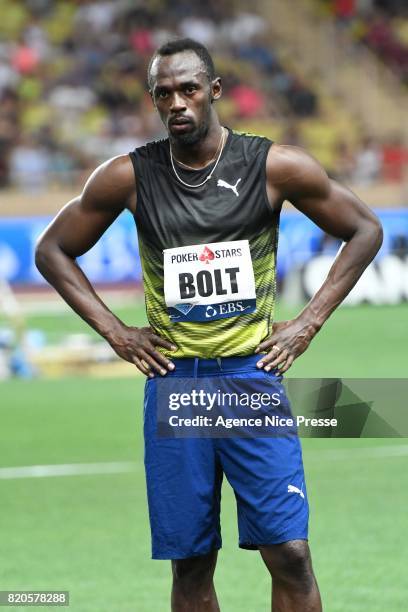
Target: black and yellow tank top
208,254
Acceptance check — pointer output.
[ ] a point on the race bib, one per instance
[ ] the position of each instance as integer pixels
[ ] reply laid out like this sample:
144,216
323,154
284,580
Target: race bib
205,282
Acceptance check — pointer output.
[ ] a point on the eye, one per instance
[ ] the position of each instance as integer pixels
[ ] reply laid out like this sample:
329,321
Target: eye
190,89
162,94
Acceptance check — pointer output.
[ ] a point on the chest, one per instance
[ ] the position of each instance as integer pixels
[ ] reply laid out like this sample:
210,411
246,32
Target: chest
232,205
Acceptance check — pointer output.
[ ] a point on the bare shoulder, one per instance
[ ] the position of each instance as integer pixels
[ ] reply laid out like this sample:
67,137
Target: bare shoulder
111,186
294,172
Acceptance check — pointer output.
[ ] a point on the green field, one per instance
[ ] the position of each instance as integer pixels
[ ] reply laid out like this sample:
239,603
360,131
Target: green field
89,534
360,342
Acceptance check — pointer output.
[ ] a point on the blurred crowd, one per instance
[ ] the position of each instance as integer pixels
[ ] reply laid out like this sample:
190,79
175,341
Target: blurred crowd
382,25
73,85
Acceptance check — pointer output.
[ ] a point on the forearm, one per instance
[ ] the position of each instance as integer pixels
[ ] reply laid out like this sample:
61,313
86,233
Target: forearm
67,278
349,265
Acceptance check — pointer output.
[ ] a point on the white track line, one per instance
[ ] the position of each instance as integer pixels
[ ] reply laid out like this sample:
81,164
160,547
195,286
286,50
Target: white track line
366,452
122,467
68,469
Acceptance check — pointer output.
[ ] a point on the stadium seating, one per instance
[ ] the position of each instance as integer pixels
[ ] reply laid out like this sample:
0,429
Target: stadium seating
72,86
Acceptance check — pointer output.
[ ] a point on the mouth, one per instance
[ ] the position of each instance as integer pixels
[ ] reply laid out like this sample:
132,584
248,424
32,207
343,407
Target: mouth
179,124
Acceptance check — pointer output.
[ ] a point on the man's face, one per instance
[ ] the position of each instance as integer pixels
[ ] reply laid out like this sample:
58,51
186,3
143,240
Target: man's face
182,95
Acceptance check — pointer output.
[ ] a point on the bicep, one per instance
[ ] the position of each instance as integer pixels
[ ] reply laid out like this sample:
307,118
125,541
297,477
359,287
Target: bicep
299,178
109,190
335,209
78,227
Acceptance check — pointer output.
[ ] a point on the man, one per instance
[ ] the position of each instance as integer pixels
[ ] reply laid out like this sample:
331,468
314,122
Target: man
205,195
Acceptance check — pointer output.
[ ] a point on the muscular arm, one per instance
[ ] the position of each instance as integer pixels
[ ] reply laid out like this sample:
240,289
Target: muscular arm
79,225
295,176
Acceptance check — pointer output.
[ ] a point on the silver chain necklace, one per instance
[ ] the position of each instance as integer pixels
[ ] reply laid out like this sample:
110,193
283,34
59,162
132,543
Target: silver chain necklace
221,147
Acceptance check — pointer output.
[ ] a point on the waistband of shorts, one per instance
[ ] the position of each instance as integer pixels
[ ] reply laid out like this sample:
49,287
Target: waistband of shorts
195,366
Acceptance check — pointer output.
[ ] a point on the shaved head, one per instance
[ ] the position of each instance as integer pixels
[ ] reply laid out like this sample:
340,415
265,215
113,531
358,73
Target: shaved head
178,46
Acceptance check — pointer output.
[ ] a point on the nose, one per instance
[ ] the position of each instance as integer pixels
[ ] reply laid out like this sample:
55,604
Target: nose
177,103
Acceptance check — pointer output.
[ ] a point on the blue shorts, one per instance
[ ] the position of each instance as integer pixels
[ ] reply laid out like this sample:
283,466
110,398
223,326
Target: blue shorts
184,476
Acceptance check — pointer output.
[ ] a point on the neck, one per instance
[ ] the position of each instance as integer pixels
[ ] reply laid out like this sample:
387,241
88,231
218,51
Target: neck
199,153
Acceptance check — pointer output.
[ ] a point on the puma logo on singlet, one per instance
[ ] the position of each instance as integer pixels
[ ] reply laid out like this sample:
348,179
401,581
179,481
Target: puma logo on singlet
222,183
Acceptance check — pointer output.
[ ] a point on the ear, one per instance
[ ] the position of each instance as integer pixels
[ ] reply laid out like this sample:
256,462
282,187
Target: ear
216,89
152,97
